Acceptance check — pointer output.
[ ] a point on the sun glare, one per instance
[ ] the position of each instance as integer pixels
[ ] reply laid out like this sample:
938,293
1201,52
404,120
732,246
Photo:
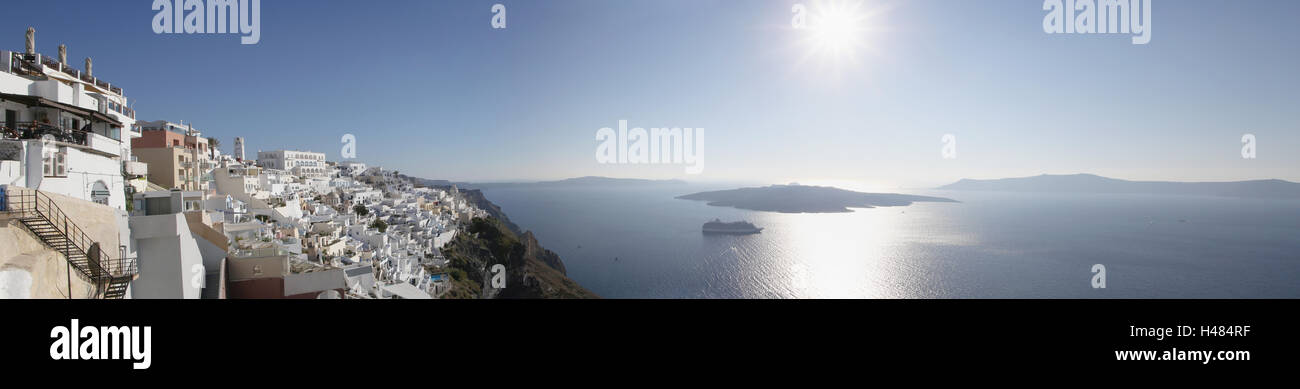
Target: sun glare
836,32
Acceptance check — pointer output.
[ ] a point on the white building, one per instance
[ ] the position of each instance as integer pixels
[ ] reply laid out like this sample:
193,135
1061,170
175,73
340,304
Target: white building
351,168
63,129
275,181
241,182
300,163
239,148
171,264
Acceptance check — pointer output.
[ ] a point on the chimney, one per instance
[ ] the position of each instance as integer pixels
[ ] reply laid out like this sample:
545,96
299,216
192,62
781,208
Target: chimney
31,40
63,54
89,71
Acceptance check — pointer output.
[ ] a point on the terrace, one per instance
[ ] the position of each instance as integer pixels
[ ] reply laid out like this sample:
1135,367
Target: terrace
65,123
37,65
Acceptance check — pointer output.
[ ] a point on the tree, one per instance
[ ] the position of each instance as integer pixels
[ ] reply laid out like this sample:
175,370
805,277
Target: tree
213,144
360,210
379,225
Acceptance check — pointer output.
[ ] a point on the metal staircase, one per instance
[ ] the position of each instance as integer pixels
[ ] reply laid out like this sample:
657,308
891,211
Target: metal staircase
35,210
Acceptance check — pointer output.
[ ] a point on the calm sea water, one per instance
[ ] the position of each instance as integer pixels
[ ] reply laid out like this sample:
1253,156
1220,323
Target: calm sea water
637,241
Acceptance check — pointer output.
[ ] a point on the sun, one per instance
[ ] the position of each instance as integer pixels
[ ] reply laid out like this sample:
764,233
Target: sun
837,32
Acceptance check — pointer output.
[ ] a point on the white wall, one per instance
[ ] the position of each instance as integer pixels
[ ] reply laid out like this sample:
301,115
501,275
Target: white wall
84,169
169,258
11,173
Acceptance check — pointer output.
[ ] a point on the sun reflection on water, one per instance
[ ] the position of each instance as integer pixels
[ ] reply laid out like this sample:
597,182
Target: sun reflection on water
859,254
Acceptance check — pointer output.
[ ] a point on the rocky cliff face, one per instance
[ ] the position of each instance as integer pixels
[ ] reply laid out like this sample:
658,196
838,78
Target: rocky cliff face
476,196
532,249
530,270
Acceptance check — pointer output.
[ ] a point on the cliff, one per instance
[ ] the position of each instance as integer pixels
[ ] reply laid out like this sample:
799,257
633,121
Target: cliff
531,270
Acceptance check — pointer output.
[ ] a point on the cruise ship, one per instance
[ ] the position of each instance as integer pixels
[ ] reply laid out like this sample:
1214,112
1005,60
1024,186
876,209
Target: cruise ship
719,227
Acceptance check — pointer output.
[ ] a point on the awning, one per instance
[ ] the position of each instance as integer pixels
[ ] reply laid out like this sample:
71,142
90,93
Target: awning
37,101
105,118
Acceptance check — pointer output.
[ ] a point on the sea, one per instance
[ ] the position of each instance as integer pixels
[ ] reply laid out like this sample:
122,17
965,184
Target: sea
638,241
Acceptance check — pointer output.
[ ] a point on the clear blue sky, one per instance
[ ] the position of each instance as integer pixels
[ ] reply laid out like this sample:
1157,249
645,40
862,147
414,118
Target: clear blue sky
429,88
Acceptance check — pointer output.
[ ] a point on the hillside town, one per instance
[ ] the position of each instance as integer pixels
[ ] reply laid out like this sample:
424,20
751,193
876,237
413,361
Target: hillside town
96,203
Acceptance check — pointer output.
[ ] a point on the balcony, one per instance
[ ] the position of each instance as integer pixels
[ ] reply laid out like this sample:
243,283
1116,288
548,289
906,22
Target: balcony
63,116
135,168
32,130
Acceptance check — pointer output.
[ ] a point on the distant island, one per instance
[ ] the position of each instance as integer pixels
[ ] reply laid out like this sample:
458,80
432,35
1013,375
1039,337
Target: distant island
578,181
597,180
805,199
1091,183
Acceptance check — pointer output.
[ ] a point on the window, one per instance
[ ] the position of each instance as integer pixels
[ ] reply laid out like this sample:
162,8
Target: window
100,193
55,163
61,163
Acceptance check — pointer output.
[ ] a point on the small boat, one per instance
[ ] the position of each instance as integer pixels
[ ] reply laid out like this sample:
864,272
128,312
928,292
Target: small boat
739,228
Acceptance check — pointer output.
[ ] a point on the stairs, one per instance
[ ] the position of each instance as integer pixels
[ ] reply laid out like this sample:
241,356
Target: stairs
44,219
117,287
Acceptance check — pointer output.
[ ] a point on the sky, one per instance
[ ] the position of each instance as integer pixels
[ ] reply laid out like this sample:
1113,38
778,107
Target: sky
431,89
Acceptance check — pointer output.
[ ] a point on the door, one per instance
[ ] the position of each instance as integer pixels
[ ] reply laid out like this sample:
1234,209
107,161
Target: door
11,120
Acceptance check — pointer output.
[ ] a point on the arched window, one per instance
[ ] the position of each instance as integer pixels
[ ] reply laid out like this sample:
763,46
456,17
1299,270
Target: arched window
99,193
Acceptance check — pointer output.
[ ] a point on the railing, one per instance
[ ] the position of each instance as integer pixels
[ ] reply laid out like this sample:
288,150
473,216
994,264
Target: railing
262,252
33,130
27,203
54,63
27,63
